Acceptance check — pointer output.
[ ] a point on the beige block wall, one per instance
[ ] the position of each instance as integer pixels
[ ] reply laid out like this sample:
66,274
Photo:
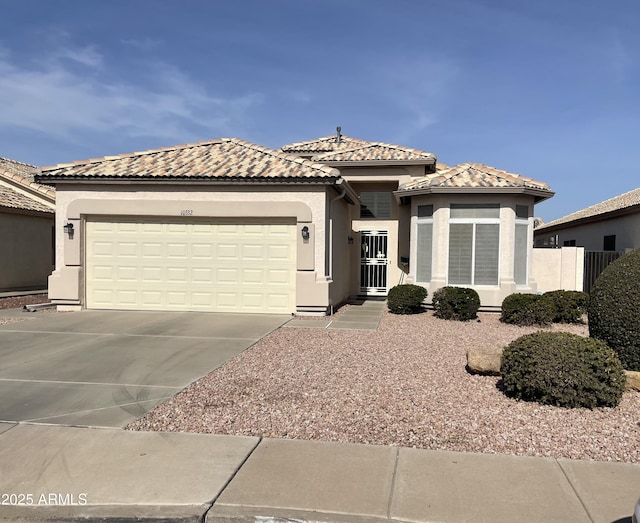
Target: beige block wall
559,269
306,202
26,257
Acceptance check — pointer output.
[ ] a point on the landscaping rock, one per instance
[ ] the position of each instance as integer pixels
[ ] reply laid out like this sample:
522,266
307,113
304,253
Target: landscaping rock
633,379
484,360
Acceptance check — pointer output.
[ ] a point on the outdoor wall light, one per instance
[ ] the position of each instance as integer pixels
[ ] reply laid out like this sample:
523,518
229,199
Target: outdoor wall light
305,233
350,240
68,228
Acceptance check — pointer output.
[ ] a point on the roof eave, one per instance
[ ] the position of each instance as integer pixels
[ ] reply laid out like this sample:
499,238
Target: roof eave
374,163
552,227
539,194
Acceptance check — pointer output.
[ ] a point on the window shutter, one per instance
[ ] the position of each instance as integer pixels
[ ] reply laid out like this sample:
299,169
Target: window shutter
425,239
487,253
460,253
520,254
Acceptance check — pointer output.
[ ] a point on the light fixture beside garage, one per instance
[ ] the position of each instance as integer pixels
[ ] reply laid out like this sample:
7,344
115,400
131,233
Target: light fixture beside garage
305,233
68,228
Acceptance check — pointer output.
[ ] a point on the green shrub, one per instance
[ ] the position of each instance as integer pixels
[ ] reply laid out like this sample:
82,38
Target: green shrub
456,303
614,309
569,305
527,309
567,370
406,299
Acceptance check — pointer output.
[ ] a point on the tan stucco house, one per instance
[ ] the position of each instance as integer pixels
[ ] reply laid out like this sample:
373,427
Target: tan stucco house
26,228
227,225
611,225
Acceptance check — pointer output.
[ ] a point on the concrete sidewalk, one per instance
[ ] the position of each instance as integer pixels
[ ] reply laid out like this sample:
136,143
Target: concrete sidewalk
121,475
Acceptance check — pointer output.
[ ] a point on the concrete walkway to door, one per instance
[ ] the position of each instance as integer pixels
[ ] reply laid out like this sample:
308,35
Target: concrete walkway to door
107,368
359,315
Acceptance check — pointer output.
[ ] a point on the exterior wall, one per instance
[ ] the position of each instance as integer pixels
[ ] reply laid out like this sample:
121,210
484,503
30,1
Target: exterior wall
394,271
490,295
559,269
306,203
26,256
339,256
591,235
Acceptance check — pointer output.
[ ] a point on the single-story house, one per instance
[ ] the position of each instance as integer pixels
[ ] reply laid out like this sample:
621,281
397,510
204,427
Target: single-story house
26,228
611,225
227,225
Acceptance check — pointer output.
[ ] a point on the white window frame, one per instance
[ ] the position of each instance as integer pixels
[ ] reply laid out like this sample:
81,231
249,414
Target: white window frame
424,220
475,222
521,222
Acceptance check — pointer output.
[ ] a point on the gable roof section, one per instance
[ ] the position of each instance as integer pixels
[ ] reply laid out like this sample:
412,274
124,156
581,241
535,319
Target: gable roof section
323,145
20,192
225,159
377,152
475,177
622,204
24,170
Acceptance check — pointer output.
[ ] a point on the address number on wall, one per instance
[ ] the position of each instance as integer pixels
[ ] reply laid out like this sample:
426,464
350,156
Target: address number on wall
186,212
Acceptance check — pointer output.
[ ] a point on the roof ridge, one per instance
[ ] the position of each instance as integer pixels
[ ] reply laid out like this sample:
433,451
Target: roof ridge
122,156
568,217
16,161
26,183
285,156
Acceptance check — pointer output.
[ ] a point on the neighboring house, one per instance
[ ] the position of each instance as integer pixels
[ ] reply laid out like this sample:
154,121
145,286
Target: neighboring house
26,228
227,225
612,225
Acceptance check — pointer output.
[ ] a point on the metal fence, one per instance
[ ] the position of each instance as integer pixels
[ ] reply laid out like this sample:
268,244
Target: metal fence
594,263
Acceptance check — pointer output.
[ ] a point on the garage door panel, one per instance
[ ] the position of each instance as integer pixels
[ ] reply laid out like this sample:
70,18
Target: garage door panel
217,266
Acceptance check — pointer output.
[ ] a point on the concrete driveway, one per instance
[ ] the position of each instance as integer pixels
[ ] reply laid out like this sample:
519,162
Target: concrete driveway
107,368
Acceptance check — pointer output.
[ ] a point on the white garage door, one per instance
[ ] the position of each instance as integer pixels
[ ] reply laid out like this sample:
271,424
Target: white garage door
222,265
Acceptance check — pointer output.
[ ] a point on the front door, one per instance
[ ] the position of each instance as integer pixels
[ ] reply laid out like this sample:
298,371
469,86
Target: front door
373,262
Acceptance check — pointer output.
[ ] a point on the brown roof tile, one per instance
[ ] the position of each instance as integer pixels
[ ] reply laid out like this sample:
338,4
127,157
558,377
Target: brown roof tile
18,192
375,151
324,144
217,159
24,170
617,203
474,175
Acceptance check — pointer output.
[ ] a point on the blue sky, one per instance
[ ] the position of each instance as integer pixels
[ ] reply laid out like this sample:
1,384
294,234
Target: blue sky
548,89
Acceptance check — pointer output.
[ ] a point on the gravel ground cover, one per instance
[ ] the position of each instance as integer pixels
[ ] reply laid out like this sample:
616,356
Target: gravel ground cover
404,385
15,302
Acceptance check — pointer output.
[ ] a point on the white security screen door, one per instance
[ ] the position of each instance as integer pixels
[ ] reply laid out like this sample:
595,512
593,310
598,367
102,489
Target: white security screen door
373,262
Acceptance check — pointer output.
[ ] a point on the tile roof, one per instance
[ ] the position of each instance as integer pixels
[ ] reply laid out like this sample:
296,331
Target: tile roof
323,145
617,203
474,175
19,192
22,169
225,158
375,151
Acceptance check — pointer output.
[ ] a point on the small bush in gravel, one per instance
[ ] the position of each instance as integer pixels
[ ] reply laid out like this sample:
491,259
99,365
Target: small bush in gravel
406,299
456,303
569,305
614,309
562,369
527,309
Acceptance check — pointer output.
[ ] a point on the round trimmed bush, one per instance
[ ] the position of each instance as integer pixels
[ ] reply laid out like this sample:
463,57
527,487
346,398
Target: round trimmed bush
406,299
562,369
614,309
527,309
456,303
569,305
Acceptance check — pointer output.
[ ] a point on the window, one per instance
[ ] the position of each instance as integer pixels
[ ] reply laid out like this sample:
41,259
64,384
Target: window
521,245
424,243
609,243
474,244
374,204
569,243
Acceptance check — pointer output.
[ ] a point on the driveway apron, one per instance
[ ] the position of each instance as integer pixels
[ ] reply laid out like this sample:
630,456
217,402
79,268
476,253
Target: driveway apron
107,368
